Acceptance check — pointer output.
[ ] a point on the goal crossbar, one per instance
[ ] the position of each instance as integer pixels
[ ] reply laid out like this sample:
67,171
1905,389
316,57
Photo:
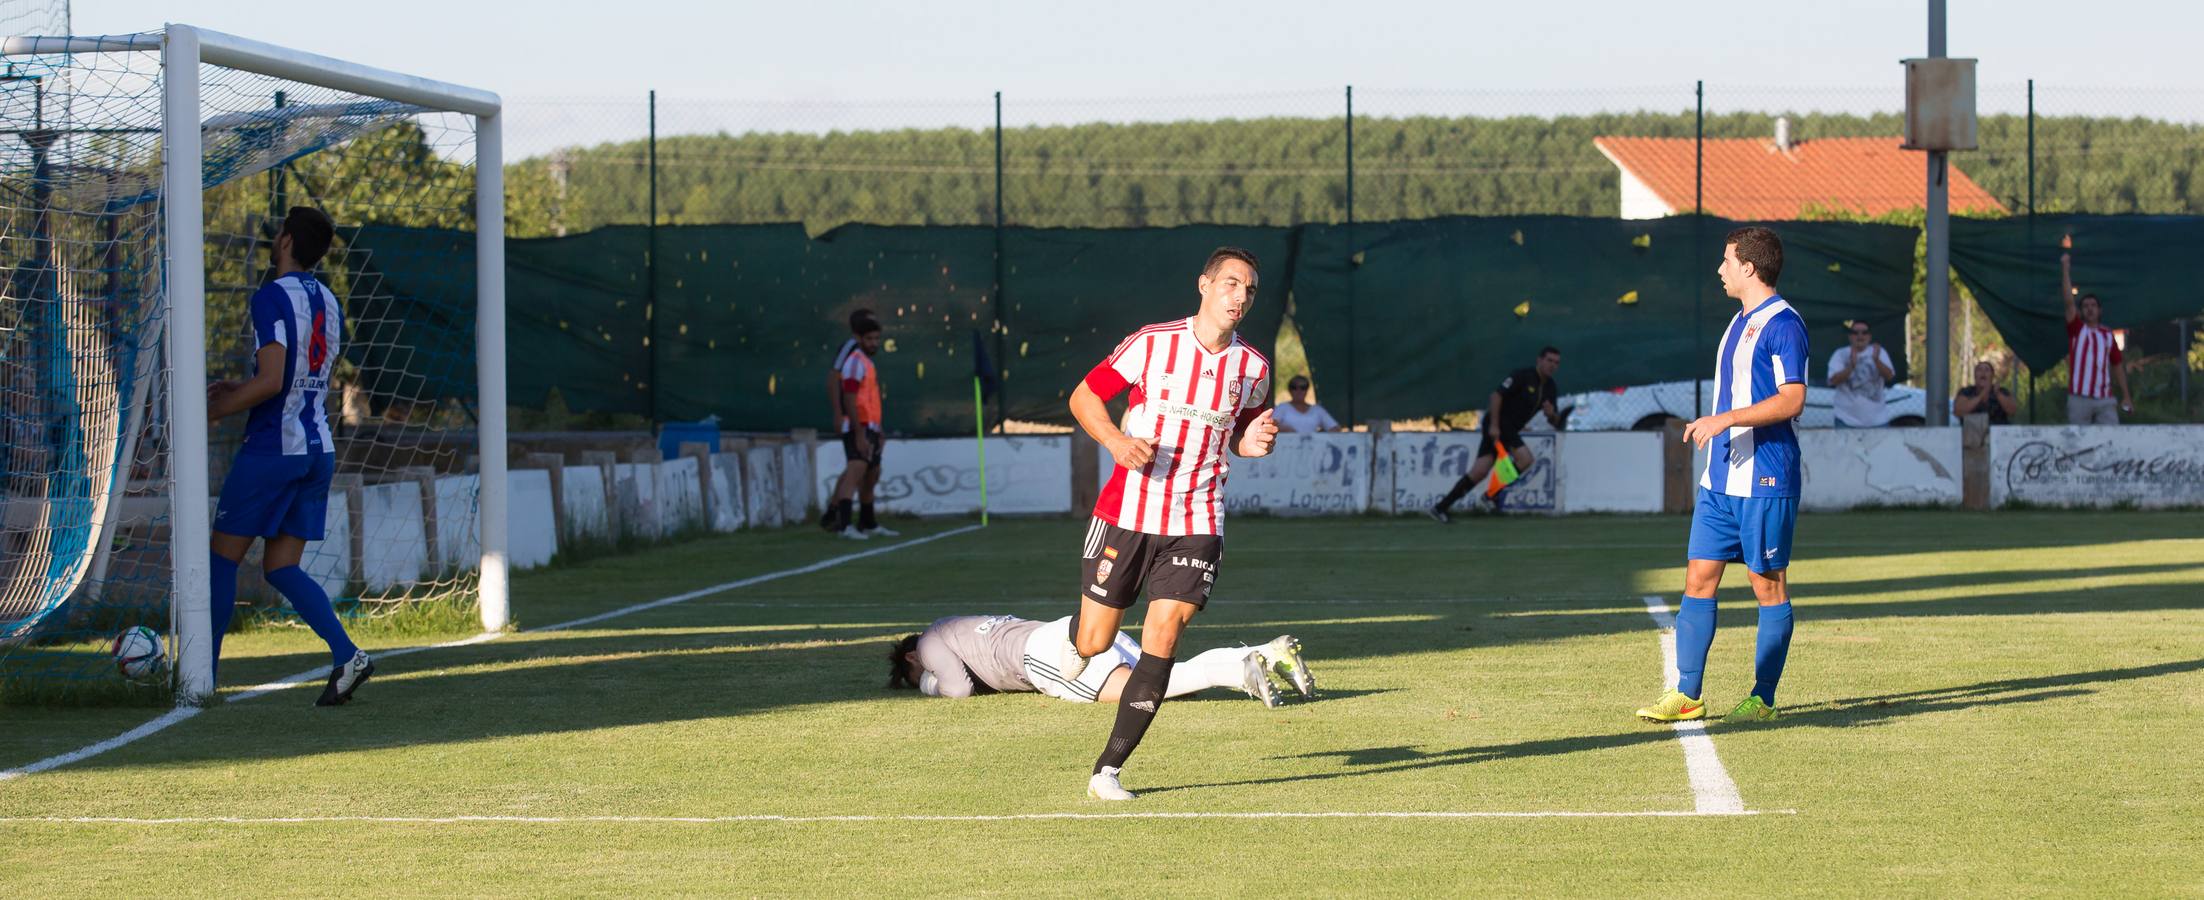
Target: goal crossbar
261,58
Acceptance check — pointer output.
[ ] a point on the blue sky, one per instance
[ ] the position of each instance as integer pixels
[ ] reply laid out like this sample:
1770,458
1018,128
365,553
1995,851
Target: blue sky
823,64
882,51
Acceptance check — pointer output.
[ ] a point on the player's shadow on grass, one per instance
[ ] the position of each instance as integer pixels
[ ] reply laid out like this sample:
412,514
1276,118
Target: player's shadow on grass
1855,712
559,683
1497,627
1910,583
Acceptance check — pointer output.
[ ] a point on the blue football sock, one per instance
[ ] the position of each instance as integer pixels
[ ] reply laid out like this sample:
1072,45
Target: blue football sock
1694,634
1774,645
312,605
221,600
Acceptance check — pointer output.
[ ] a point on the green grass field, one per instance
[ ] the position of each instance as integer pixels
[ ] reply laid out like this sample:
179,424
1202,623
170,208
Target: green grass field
2008,704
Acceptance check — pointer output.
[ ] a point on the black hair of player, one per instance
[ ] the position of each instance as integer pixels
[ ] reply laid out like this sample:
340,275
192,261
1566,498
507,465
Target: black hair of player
1297,383
311,234
899,673
1760,247
861,322
1219,255
1549,350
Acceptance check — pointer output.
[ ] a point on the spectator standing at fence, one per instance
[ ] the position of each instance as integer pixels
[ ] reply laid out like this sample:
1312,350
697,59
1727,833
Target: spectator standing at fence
1985,396
2093,360
1298,415
1521,395
856,402
1860,371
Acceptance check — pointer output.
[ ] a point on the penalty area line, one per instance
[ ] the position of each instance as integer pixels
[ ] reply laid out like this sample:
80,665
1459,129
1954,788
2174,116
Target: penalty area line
1712,791
182,713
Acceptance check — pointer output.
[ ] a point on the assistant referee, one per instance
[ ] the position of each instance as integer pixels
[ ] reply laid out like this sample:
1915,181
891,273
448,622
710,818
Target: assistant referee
1519,397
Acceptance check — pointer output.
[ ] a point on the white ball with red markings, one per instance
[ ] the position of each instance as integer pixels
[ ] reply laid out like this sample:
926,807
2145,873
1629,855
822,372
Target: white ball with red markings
137,652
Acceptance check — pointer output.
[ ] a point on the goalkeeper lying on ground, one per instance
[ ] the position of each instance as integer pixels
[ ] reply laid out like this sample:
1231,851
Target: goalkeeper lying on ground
963,655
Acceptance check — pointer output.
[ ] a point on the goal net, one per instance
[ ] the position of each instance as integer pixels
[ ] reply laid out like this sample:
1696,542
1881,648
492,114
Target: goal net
142,182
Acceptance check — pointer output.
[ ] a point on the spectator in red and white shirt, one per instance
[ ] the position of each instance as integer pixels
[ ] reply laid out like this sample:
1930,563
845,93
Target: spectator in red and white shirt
2093,361
1197,390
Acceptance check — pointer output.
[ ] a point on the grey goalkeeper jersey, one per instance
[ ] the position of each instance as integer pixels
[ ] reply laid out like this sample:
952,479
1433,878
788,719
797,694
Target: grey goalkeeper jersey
958,649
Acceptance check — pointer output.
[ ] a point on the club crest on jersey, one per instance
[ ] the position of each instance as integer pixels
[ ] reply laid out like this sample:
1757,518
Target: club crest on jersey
1767,481
1102,571
1751,330
1232,393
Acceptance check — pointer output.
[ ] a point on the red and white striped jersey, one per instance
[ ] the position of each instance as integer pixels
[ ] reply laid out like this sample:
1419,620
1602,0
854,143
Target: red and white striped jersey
2091,353
1191,402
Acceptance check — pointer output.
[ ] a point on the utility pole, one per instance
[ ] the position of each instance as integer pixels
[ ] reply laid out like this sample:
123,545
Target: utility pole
1939,255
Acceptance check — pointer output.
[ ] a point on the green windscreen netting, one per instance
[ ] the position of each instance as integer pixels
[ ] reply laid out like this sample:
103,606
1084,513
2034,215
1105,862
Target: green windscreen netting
574,320
1398,319
2145,270
413,314
1074,293
750,318
1407,319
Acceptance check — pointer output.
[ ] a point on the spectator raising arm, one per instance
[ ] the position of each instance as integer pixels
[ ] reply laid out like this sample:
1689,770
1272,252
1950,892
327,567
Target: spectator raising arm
2066,279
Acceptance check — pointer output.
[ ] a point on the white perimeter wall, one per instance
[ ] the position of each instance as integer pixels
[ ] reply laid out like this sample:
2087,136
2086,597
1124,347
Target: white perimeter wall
1307,474
1850,467
1304,475
1406,473
2098,465
941,476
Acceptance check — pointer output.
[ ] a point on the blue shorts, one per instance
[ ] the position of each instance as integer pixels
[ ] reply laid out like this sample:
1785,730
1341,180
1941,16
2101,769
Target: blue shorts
1755,531
267,495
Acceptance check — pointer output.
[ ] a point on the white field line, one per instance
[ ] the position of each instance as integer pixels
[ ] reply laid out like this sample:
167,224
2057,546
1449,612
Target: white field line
799,820
1941,547
83,753
182,713
1712,791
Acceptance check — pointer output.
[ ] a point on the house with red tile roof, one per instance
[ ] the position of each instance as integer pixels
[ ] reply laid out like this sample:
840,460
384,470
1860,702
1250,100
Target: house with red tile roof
1774,179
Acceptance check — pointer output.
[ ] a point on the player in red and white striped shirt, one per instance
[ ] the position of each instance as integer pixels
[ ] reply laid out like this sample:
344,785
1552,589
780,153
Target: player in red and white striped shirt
1197,390
2092,356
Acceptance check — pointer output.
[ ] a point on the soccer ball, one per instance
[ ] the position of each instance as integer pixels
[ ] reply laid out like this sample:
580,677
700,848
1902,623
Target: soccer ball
137,652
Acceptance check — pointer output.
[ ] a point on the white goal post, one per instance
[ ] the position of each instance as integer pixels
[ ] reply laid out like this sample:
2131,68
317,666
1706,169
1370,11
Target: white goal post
183,49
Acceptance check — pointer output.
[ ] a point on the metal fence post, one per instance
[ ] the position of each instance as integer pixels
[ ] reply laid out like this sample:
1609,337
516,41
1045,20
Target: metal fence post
1352,252
1002,363
650,268
1698,235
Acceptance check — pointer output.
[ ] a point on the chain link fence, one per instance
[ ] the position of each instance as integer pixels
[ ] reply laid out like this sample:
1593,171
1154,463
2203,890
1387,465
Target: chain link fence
1344,156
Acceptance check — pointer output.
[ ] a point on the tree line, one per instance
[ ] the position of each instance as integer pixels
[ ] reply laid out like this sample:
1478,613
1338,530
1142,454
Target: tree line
1271,171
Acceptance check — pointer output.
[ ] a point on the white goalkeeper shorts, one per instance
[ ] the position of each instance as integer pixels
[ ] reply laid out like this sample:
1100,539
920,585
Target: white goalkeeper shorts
1044,654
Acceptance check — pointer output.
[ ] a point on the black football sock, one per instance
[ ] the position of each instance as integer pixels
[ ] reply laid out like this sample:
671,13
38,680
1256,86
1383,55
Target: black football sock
1136,708
865,520
1461,489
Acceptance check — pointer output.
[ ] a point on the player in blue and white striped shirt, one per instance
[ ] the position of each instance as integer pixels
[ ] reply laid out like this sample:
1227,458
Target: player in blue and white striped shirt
1748,495
278,487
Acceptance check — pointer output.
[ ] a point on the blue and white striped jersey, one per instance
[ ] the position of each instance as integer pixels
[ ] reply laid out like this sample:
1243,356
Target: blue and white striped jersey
1761,350
302,315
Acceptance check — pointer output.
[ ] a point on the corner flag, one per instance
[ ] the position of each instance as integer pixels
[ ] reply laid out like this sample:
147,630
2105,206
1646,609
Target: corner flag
1503,471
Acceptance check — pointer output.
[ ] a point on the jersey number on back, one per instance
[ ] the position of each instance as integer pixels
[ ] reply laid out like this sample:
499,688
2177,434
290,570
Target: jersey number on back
317,347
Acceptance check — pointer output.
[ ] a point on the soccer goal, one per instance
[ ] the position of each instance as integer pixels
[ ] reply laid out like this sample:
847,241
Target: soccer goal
142,180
